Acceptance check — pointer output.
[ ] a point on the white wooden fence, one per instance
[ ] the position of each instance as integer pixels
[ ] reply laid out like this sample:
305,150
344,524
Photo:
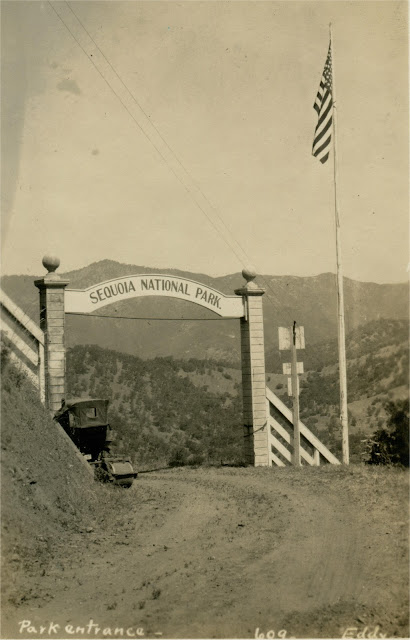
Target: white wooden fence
280,437
25,340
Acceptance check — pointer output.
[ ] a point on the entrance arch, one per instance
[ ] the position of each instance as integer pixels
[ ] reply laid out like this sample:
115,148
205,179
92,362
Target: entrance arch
56,300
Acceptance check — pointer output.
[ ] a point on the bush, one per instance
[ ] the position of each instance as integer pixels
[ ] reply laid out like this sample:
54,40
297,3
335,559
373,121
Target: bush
179,457
4,353
391,445
195,459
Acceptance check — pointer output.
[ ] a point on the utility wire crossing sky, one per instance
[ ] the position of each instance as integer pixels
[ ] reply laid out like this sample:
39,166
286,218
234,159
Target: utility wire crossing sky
179,135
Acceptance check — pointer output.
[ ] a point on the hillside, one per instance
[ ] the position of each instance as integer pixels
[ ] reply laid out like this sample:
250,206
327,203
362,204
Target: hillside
377,372
365,340
311,301
48,496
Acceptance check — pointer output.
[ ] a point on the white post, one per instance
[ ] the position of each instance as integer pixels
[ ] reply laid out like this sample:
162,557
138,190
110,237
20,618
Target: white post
295,395
340,295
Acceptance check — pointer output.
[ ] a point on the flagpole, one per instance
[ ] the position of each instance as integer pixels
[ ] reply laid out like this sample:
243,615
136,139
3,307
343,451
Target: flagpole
339,277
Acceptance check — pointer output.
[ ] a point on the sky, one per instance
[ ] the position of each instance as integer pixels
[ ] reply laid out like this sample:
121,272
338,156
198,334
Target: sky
179,134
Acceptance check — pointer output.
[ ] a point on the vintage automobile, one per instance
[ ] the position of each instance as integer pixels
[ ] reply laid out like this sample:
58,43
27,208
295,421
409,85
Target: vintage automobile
85,421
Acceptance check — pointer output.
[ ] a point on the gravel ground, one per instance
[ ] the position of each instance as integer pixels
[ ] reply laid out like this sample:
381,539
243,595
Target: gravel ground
223,553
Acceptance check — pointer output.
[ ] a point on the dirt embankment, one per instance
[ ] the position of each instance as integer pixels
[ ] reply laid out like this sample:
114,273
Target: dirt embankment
47,493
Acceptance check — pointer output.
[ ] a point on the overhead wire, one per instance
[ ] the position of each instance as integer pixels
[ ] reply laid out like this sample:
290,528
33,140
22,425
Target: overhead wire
159,151
97,315
184,169
152,124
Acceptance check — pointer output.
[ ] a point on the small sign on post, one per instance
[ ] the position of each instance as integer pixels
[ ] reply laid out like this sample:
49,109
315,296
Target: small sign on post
291,339
290,391
287,368
286,338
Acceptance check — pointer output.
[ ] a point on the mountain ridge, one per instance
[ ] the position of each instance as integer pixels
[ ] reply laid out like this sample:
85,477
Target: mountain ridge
311,301
170,270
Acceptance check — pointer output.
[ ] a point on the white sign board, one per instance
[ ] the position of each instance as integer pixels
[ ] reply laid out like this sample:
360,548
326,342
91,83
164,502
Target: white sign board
104,293
290,387
286,338
300,337
287,368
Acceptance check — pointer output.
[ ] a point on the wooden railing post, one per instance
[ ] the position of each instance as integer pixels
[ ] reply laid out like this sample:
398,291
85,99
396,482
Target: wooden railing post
280,437
26,341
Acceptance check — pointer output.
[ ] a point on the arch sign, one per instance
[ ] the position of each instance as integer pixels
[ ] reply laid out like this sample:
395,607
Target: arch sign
126,287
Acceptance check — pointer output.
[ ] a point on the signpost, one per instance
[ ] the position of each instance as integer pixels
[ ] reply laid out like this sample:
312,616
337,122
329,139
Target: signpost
293,339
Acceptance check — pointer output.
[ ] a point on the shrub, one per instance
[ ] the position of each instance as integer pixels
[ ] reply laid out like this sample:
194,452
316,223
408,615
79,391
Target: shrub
195,459
179,457
391,445
4,353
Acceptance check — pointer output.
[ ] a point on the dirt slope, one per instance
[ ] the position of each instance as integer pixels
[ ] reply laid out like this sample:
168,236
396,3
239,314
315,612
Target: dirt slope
47,492
222,552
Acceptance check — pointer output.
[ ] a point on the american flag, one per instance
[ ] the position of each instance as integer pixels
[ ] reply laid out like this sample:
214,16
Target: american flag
323,107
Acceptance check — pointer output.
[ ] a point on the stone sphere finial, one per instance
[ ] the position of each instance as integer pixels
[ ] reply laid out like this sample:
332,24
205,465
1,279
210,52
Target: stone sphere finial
51,263
249,273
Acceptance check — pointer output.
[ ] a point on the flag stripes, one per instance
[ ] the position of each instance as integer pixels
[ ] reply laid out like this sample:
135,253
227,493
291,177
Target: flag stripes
323,107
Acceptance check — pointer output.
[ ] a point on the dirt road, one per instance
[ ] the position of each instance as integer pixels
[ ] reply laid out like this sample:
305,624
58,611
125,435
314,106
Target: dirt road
209,553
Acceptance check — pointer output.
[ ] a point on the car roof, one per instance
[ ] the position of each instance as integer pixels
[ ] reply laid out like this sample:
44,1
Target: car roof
75,402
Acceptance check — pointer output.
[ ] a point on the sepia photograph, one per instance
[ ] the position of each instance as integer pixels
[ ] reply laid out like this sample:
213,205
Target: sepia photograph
204,319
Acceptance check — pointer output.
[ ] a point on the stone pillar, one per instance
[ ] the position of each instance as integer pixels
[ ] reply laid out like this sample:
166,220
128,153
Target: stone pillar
51,289
253,373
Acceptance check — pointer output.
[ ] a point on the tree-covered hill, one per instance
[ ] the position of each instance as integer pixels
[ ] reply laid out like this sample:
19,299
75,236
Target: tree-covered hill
365,340
377,373
160,409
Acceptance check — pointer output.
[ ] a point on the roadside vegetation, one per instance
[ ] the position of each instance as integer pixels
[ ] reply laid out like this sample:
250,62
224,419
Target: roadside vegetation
391,445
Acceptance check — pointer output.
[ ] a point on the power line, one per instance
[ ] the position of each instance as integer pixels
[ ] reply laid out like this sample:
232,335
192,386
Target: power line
152,124
149,137
96,315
